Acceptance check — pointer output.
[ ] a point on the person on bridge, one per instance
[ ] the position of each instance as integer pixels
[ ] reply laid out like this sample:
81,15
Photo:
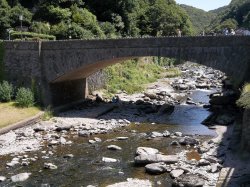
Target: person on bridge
232,32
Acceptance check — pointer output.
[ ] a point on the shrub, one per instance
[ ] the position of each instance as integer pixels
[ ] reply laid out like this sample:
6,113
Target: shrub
48,114
6,91
244,100
31,36
25,97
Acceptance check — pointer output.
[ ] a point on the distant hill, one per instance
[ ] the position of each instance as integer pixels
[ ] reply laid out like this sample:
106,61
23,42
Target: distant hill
199,18
218,10
235,15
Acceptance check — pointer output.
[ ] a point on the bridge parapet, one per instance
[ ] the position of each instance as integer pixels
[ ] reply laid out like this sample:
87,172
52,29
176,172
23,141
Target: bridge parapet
65,65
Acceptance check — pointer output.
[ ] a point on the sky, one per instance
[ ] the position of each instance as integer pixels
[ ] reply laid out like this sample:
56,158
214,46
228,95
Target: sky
205,4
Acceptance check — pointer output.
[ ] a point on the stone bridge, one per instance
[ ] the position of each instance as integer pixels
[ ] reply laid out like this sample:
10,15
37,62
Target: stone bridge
59,69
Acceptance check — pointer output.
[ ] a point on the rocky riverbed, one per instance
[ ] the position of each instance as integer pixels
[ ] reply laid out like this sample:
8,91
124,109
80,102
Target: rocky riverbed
153,138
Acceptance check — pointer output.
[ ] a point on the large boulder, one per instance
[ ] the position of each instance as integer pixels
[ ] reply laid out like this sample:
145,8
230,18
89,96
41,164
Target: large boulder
146,155
20,177
188,141
188,180
146,150
156,168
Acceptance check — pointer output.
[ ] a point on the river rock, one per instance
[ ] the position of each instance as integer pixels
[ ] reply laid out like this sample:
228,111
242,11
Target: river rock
62,140
68,156
83,133
179,134
53,142
20,177
39,129
156,168
174,143
188,180
122,138
203,162
63,127
188,141
12,163
114,147
156,134
92,141
152,158
49,166
97,139
166,133
2,178
146,151
150,95
166,109
109,160
176,173
132,183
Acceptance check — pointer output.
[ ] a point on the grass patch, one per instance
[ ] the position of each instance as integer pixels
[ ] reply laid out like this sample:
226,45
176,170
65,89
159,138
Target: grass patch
10,114
172,72
244,100
131,76
48,114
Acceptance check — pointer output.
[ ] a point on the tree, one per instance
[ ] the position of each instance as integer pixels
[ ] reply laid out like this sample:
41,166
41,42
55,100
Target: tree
18,10
5,22
40,27
87,20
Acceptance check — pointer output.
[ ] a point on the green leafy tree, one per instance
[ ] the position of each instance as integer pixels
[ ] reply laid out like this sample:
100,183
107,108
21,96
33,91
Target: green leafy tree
5,22
18,10
87,20
109,29
40,27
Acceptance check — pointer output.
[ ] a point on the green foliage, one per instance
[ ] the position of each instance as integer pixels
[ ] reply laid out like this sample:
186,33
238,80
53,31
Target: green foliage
40,27
6,91
163,19
94,18
31,36
48,114
244,100
108,29
25,97
131,76
1,60
87,20
62,31
199,18
236,14
4,17
18,10
172,72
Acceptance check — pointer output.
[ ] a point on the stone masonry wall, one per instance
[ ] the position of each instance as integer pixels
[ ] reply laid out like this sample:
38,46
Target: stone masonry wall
96,81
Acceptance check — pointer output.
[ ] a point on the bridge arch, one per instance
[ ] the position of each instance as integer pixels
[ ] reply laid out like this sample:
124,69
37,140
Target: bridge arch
64,65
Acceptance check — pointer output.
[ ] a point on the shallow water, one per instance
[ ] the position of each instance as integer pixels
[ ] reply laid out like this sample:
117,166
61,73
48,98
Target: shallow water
86,168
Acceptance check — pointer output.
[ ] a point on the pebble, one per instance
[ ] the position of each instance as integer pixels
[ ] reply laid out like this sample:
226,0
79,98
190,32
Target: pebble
114,147
122,138
109,160
49,166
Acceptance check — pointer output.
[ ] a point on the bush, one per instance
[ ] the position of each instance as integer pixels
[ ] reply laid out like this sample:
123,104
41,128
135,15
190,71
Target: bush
31,36
25,97
6,91
244,100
